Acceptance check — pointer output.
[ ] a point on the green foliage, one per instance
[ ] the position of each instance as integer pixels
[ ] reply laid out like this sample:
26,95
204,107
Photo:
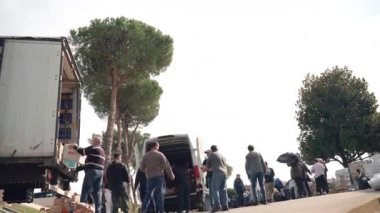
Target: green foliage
131,47
229,170
110,53
335,114
231,193
139,101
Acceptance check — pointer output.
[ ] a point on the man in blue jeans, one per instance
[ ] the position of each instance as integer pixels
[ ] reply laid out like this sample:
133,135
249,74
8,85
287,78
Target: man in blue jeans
93,168
154,164
217,163
255,167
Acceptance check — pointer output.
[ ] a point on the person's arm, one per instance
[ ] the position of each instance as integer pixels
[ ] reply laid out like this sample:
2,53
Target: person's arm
126,174
108,174
142,165
138,177
208,162
313,169
262,163
247,166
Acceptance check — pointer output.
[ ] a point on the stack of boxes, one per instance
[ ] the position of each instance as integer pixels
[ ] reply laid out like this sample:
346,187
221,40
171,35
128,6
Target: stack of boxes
372,166
342,180
61,205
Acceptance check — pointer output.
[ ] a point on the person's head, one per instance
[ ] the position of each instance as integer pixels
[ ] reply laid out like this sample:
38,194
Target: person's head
238,175
250,148
154,145
117,156
214,148
96,141
208,152
320,160
266,164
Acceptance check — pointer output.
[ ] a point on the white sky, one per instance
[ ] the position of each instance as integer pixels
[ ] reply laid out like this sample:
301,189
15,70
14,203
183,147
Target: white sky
237,65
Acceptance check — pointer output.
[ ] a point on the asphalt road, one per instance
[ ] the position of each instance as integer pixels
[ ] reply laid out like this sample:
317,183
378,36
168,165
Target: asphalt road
365,201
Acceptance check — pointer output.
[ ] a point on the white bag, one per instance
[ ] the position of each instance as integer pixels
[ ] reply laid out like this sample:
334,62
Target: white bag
375,182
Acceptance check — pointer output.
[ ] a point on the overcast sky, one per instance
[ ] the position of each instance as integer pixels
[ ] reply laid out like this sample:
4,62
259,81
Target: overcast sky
237,65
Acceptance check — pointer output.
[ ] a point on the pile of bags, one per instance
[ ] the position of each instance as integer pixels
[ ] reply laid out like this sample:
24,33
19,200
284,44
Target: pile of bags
375,182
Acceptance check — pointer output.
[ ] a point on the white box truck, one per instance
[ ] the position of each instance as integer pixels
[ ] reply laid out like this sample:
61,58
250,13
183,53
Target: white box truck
39,113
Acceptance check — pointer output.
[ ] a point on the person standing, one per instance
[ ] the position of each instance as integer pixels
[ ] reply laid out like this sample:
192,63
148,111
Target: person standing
239,189
93,168
182,185
319,174
320,160
154,164
255,167
118,181
140,181
217,163
297,173
269,182
208,177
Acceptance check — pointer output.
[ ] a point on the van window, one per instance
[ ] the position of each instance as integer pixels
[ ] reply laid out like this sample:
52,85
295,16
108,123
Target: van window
1,53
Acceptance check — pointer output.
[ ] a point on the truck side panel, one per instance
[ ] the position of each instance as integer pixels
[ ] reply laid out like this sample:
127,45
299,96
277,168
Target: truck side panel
29,88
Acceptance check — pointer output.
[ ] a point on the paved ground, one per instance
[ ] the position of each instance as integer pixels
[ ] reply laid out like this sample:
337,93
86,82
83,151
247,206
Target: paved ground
348,202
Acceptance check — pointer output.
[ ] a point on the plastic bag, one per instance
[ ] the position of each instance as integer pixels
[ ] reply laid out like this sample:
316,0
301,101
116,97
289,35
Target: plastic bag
375,182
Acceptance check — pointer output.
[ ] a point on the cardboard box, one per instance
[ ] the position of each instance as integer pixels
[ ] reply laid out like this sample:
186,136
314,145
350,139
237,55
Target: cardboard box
55,209
59,202
70,154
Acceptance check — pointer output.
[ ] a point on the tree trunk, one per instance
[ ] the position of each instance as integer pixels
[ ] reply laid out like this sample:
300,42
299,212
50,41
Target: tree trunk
119,136
132,143
111,118
125,147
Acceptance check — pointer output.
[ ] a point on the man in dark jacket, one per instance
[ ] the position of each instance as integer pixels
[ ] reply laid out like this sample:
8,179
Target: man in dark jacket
239,189
118,180
140,181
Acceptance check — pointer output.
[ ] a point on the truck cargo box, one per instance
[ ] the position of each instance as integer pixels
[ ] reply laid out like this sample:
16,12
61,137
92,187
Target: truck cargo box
39,110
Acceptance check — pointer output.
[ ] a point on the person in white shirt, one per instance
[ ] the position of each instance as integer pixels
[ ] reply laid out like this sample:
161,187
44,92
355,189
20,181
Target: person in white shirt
319,174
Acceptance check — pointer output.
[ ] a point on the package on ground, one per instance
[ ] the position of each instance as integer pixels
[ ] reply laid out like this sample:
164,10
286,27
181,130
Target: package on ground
55,209
83,208
75,198
342,180
59,201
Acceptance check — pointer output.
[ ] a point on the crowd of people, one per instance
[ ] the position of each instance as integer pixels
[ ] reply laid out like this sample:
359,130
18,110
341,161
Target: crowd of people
155,173
264,186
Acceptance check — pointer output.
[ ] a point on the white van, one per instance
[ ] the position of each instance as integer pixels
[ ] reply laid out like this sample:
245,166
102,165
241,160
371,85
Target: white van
178,148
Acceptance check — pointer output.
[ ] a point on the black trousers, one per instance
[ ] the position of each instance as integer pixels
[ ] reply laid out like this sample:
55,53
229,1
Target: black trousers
119,200
183,190
321,184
